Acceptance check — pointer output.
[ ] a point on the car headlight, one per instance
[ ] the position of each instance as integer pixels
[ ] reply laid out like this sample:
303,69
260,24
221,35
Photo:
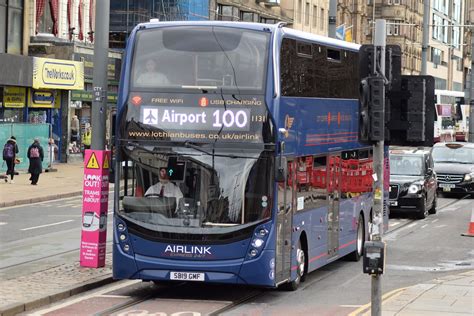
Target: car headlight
468,177
414,188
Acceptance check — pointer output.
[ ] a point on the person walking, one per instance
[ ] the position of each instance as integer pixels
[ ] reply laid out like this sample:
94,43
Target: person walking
35,155
10,151
87,139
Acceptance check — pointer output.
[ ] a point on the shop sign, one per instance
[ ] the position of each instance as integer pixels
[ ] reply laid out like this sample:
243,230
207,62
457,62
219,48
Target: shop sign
43,99
113,66
76,104
87,96
14,97
57,74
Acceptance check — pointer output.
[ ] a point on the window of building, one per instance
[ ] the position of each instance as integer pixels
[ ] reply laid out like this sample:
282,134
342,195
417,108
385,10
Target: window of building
46,23
436,56
247,16
299,11
321,20
226,12
267,20
315,16
393,27
11,26
306,14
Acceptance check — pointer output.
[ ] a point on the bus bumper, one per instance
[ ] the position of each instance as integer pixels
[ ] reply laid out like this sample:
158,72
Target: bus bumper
258,271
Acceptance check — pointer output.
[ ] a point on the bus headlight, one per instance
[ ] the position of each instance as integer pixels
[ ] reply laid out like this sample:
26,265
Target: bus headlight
121,227
414,188
253,253
122,237
257,242
126,247
262,232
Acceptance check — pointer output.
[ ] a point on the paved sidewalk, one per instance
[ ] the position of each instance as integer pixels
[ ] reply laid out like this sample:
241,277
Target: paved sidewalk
65,182
449,295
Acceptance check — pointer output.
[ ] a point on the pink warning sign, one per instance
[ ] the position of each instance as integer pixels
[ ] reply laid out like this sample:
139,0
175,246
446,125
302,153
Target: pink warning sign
95,197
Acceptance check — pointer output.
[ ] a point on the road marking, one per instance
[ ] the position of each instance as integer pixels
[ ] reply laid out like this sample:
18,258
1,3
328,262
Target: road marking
440,226
114,296
100,291
3,223
385,298
412,225
435,220
424,226
393,224
53,224
353,306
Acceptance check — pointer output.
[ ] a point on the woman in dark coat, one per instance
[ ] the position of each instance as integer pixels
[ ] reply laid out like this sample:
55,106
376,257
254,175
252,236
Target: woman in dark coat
10,151
35,155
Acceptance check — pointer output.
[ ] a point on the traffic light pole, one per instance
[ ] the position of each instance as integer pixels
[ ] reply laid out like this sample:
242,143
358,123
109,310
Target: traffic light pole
101,52
378,157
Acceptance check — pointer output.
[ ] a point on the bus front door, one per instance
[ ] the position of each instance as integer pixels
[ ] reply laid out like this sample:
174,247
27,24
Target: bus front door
334,192
286,195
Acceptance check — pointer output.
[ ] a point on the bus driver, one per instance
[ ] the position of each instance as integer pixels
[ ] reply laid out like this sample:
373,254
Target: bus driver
164,187
151,76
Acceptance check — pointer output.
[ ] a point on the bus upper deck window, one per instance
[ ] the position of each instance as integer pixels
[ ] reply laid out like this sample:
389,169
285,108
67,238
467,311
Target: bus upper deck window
333,55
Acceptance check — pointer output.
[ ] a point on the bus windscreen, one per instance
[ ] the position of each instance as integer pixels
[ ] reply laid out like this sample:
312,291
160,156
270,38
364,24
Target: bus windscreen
196,58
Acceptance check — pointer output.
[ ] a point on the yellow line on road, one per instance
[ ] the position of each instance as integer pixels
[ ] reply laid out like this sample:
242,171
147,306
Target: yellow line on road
385,298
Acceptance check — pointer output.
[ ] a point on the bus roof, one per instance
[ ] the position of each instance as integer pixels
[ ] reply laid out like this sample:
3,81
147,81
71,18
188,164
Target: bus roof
259,26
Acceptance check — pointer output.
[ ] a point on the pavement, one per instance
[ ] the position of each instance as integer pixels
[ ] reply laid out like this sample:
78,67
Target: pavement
448,295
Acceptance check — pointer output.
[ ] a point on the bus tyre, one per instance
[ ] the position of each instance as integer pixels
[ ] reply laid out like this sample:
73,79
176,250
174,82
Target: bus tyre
300,270
357,254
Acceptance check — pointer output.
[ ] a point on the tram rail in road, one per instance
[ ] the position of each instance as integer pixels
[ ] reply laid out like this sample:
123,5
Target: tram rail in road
135,297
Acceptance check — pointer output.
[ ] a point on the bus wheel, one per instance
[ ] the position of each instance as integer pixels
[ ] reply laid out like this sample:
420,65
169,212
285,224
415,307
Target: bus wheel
357,254
300,269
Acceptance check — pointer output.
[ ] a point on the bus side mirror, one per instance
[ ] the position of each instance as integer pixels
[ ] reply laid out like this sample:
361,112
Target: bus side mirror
281,169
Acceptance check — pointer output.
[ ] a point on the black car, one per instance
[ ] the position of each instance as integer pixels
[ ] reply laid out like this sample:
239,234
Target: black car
454,166
412,182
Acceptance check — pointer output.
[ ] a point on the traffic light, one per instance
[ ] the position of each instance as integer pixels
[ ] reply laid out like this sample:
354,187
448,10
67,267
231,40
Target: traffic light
413,112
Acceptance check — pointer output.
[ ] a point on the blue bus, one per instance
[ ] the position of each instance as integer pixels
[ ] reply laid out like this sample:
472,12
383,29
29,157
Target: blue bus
237,145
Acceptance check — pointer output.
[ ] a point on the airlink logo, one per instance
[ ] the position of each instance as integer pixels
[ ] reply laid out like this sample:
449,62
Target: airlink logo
194,250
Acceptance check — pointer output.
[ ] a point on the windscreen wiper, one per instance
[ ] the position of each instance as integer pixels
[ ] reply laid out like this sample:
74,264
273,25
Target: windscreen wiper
192,145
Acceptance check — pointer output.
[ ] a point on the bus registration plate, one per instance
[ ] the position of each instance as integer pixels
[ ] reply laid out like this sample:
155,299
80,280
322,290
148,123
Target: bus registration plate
187,276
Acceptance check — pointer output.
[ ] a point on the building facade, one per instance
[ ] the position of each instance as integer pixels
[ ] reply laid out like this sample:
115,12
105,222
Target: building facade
445,56
354,17
404,28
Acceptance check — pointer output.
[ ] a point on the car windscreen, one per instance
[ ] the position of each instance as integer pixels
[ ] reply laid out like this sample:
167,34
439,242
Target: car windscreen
200,57
406,165
461,154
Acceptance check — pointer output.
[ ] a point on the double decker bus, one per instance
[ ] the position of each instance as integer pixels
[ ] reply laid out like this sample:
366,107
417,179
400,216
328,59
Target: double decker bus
256,127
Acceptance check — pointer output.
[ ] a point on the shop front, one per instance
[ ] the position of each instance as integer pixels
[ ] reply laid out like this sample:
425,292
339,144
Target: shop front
52,79
81,101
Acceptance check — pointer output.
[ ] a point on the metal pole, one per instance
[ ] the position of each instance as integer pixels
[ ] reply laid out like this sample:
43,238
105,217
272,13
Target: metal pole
332,18
101,51
426,32
376,292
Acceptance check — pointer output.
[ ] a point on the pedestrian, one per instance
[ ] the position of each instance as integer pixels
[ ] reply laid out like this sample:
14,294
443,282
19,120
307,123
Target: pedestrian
87,139
10,151
35,155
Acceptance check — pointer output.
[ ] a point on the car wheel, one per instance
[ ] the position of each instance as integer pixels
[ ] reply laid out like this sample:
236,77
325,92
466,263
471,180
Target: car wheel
300,270
357,254
434,205
422,212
